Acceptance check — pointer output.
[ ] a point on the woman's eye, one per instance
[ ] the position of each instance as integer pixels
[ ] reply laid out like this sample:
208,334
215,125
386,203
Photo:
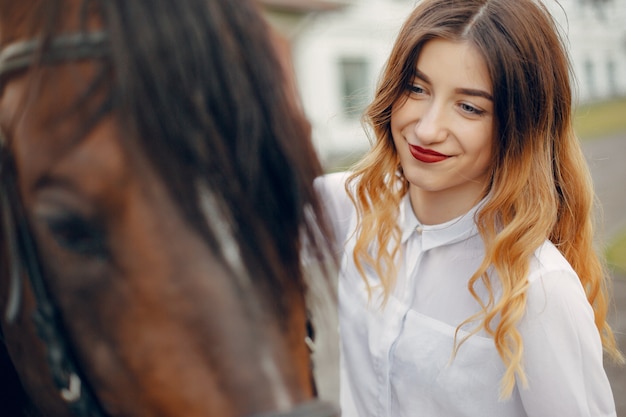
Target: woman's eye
416,88
77,234
468,108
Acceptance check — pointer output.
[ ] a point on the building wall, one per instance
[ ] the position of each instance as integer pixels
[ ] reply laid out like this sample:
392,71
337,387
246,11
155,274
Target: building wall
597,42
359,35
345,51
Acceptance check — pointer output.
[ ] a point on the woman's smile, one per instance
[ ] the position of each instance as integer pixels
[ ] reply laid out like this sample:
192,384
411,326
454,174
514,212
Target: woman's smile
427,156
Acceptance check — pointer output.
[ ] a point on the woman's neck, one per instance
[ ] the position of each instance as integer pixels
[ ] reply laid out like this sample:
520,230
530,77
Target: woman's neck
437,207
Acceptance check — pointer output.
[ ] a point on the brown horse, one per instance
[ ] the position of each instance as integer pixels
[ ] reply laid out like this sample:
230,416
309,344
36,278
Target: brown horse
156,183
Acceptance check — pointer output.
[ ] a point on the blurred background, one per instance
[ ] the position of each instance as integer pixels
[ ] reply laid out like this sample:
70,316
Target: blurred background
337,49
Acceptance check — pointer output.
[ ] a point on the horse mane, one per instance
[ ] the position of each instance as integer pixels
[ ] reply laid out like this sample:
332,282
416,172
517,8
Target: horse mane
198,85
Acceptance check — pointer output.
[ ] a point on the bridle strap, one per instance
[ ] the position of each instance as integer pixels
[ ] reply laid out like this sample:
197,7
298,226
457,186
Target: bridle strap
21,248
15,285
23,257
68,47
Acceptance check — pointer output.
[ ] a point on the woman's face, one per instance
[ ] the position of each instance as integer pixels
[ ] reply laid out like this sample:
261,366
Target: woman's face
443,132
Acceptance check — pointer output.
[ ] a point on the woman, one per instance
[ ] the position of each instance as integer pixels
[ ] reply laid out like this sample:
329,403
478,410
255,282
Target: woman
468,283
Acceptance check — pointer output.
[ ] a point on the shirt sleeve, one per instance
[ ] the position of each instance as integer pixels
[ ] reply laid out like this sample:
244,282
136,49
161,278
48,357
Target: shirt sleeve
337,205
563,351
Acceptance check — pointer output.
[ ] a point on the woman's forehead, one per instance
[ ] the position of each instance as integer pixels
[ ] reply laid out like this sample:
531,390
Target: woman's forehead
459,63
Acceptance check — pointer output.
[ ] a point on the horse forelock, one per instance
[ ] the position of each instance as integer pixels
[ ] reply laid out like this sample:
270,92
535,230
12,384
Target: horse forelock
203,117
215,111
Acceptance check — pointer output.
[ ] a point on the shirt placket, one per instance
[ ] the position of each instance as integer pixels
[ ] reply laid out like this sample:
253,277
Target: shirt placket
404,294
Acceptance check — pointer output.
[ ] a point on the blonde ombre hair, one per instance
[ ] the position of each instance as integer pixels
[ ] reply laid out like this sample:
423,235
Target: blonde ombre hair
540,187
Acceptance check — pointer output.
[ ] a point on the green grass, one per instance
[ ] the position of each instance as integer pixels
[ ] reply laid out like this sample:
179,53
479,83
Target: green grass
600,119
595,121
616,253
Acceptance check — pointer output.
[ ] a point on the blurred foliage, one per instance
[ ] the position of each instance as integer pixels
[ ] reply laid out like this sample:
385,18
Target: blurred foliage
600,119
616,253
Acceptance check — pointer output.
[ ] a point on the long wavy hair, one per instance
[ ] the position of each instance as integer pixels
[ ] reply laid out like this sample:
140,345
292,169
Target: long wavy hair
540,186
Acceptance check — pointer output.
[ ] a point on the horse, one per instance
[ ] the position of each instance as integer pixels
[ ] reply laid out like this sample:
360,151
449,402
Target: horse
156,201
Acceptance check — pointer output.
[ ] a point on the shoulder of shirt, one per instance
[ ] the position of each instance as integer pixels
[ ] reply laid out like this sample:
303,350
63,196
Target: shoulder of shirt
333,186
335,180
336,202
548,259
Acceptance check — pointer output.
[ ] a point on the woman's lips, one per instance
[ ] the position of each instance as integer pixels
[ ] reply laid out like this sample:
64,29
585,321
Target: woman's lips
426,155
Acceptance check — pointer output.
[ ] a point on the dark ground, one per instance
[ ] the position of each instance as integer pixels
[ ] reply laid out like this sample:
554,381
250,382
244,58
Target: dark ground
606,160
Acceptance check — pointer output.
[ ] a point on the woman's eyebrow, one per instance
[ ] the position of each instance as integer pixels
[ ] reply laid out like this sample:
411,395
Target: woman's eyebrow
474,92
465,91
419,74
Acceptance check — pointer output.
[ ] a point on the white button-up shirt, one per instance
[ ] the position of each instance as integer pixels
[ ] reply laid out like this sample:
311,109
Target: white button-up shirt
396,358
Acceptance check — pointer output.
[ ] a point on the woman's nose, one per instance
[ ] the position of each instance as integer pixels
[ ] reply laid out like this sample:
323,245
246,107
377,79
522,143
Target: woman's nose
431,126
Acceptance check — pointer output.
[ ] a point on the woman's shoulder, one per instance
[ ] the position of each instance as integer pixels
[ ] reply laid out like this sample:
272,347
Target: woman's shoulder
337,204
548,260
552,279
554,282
561,343
333,183
332,190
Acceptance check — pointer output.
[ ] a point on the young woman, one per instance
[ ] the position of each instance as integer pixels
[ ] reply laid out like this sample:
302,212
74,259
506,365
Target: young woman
468,283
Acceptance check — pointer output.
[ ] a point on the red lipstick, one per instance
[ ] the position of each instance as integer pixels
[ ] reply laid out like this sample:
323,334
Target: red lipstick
426,155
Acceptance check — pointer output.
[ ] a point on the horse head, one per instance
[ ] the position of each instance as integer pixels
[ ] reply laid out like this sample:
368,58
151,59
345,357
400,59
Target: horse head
156,185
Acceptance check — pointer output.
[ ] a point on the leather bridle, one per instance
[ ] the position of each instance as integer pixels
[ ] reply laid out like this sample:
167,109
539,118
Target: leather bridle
22,253
21,249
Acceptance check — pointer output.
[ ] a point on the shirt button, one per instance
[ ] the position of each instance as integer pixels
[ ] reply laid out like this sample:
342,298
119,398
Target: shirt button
419,229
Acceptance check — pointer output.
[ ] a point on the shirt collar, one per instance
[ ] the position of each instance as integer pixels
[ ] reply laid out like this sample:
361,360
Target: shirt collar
449,232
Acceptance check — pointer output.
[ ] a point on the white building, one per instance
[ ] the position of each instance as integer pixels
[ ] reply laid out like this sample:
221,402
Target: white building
597,41
338,57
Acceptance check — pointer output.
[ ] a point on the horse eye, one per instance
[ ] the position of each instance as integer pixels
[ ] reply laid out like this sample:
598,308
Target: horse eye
77,234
